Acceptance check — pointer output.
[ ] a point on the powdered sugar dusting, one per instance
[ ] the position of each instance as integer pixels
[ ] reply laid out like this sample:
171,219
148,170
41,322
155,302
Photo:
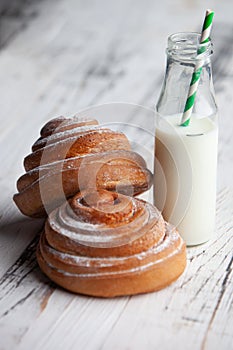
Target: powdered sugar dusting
70,135
141,261
68,224
60,166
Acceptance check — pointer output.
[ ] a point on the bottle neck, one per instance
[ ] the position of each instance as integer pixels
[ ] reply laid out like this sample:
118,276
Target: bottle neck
186,47
182,58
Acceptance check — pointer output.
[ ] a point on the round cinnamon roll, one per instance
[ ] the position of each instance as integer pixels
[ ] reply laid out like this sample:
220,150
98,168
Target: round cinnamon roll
107,244
74,154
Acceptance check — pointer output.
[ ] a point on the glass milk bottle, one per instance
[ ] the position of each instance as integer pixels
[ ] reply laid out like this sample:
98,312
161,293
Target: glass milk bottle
186,156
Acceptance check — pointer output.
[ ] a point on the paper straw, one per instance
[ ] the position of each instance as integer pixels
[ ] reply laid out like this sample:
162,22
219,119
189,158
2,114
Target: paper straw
205,34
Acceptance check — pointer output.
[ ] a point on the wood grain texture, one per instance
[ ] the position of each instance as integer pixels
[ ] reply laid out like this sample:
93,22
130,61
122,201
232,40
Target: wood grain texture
15,16
197,307
70,55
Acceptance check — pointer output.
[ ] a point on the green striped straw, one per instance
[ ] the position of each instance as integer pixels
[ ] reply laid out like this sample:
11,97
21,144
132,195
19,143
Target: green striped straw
205,37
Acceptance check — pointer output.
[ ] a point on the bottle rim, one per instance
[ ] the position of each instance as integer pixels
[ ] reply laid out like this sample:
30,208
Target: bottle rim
185,45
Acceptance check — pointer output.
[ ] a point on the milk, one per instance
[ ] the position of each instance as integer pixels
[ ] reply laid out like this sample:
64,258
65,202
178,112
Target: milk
185,175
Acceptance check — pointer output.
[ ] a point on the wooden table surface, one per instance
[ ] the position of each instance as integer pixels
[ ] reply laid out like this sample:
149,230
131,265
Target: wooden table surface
58,57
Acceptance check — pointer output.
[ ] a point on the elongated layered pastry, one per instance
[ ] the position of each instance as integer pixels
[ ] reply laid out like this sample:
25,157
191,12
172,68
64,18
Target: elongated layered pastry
76,154
107,244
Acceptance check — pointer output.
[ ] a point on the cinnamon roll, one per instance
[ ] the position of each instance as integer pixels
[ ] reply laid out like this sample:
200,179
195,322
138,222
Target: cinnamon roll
74,154
107,244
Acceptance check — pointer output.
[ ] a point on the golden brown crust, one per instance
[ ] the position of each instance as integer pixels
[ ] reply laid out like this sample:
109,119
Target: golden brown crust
60,124
74,154
80,143
140,282
123,253
121,213
44,189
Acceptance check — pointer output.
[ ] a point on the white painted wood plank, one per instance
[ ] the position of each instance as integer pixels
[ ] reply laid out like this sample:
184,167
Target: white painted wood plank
196,307
71,56
183,315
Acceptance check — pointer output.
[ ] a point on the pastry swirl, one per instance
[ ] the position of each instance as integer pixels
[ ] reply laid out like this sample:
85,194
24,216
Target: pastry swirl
74,154
108,244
